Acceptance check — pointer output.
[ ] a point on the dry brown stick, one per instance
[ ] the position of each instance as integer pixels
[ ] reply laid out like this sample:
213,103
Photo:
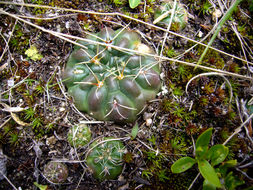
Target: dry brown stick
67,36
128,17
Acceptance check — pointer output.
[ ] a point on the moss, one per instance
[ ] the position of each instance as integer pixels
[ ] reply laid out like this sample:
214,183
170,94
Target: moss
119,3
166,180
9,134
235,145
38,11
19,41
212,58
74,4
178,115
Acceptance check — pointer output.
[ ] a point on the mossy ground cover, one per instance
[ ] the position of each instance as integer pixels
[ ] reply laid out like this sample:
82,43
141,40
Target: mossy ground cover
37,113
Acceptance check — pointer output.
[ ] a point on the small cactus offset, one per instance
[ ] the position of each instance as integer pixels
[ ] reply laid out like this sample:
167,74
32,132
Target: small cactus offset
112,84
79,135
164,12
55,172
105,158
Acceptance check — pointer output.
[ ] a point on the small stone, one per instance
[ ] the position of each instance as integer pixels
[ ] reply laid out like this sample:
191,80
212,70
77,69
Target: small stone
147,116
149,122
216,14
10,82
62,109
51,140
200,34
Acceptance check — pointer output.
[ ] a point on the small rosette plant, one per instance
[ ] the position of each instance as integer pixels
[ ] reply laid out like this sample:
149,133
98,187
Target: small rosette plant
105,158
79,135
112,83
164,12
205,158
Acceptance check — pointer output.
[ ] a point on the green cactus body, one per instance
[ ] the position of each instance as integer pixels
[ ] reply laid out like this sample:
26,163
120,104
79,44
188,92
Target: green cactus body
79,135
163,15
105,158
55,172
111,84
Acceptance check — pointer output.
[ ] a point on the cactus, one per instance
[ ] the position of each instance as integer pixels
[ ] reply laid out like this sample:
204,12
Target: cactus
163,15
55,172
105,158
79,135
112,84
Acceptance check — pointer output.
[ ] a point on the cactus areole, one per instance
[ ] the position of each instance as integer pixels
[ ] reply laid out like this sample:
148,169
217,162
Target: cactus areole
110,83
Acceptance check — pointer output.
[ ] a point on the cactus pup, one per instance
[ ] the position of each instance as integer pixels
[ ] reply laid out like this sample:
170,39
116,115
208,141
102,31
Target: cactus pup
105,158
79,135
163,15
55,172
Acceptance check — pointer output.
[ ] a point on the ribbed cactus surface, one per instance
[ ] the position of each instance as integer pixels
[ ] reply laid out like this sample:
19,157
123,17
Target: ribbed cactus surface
108,83
79,135
105,158
56,172
163,15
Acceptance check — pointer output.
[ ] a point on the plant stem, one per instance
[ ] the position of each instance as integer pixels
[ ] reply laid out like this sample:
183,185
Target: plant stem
221,23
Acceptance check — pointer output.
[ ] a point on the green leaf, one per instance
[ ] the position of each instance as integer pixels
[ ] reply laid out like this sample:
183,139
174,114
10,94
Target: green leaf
41,187
224,166
217,154
182,164
134,3
134,131
208,186
208,172
202,143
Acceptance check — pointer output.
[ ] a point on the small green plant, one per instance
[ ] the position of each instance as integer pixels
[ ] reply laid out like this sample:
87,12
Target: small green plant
205,158
230,180
55,172
105,158
134,3
41,187
79,135
119,3
33,54
37,123
110,83
29,113
14,138
206,8
164,13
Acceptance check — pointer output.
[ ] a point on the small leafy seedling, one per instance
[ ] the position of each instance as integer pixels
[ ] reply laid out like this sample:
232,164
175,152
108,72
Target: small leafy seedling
33,54
205,158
